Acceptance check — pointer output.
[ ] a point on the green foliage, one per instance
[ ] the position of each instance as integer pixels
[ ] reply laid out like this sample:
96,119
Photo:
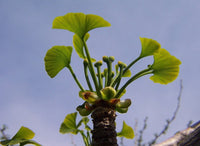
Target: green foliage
22,137
165,67
108,93
108,88
127,73
126,132
79,23
149,47
69,125
84,109
78,45
124,103
56,59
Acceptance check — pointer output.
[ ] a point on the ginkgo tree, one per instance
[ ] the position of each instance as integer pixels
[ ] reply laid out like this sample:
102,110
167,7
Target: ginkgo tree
102,97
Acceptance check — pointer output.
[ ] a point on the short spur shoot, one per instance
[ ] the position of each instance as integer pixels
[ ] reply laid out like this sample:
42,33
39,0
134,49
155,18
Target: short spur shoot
102,96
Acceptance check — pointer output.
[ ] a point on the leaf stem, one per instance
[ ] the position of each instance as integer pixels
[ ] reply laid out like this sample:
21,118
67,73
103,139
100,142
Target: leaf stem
84,138
109,64
91,68
99,77
74,76
115,80
86,75
138,75
106,77
131,64
119,78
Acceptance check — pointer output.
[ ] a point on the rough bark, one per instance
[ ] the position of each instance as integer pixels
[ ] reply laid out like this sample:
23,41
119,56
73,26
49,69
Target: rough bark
104,133
187,137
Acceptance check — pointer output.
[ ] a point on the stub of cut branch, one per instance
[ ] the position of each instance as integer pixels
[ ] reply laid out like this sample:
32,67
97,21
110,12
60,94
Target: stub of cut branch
187,137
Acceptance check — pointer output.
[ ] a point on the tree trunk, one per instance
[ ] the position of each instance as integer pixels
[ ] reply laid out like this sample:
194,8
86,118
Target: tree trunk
103,133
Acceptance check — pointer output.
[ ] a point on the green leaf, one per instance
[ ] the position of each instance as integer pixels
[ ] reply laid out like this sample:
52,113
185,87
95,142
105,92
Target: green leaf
126,132
127,74
165,67
86,37
79,23
149,47
90,97
121,110
23,136
24,133
85,120
124,103
83,111
124,92
78,45
69,124
56,59
108,93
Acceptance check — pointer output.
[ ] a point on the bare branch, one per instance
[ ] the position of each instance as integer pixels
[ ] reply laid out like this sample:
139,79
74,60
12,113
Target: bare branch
169,121
2,130
187,137
140,139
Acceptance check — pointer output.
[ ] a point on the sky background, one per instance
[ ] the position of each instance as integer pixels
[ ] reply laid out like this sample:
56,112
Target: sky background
29,97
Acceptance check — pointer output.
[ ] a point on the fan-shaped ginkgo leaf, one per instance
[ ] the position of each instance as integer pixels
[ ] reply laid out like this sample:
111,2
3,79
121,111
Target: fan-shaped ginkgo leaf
56,59
78,45
165,67
69,124
22,137
149,47
24,133
79,23
126,132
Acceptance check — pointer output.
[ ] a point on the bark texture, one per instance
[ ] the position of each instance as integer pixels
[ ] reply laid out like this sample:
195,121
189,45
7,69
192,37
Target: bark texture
104,133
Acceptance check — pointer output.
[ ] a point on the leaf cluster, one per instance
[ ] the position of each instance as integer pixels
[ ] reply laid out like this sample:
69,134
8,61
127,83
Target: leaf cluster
165,67
70,125
22,137
106,84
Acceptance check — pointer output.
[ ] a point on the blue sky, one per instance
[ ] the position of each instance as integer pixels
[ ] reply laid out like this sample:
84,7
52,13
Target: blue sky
29,97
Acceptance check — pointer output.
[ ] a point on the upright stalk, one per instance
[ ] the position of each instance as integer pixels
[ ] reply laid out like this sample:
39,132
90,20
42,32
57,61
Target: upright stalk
91,68
85,63
104,133
131,64
142,73
75,78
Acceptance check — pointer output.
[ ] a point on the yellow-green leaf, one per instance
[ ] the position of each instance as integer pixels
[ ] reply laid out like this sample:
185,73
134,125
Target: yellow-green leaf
165,67
126,132
24,133
83,111
124,92
149,47
121,110
69,124
56,59
127,73
79,23
22,137
90,97
78,45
